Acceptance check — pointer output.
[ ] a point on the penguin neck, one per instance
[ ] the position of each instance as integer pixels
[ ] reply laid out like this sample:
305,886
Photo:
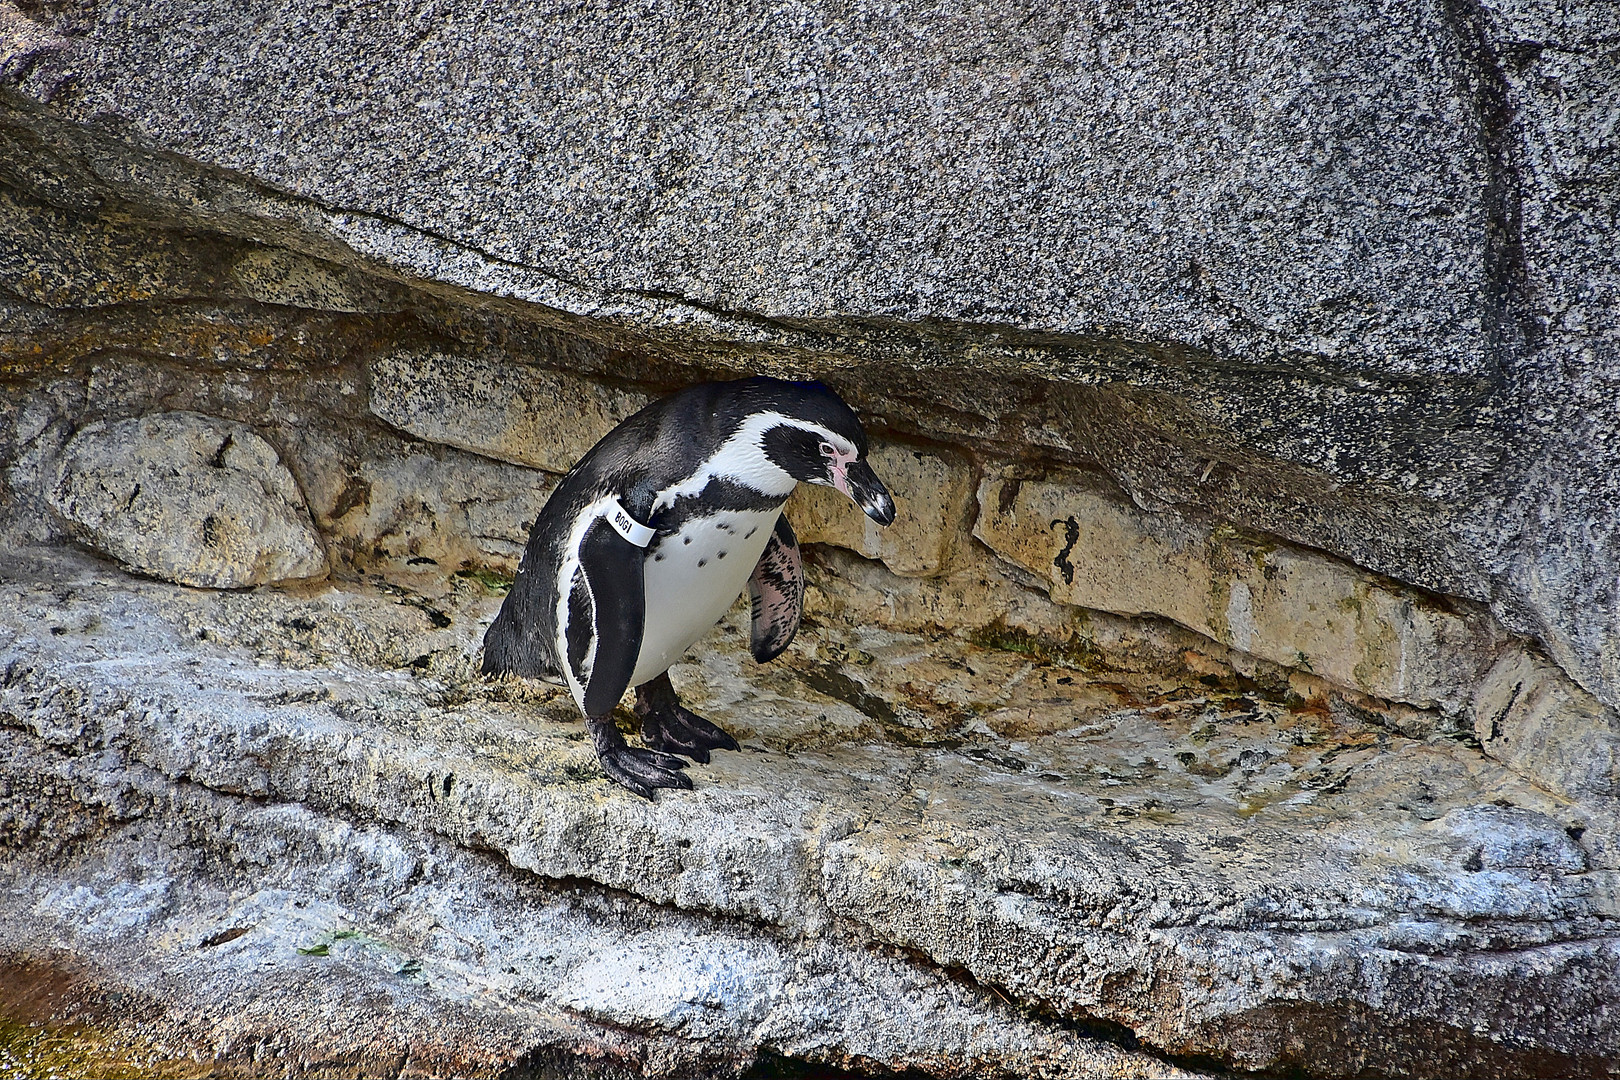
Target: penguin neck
742,460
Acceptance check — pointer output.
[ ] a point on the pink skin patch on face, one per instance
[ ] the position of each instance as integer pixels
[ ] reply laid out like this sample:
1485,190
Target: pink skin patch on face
837,466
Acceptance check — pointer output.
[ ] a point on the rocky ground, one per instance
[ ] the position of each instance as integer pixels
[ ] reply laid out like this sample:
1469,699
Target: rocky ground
289,829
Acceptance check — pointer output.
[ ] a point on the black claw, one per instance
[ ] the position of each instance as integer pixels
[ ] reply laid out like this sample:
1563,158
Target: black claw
624,780
646,767
665,761
667,726
641,771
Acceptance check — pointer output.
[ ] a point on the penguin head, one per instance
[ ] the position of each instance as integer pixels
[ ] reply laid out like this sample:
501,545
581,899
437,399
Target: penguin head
818,440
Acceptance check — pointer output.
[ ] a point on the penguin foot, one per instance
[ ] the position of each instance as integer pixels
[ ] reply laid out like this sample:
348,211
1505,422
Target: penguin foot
668,726
681,732
639,770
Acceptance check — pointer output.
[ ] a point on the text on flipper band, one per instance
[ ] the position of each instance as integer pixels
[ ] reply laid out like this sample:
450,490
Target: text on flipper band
627,526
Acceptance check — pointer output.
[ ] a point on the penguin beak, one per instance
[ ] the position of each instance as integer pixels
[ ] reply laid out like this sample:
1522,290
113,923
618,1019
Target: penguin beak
862,485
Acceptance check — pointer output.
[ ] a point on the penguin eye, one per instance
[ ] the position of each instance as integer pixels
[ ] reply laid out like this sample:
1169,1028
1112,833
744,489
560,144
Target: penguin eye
827,450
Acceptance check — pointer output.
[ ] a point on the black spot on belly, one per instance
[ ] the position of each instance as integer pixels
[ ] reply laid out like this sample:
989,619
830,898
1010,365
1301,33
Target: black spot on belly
721,555
703,562
658,557
686,540
751,532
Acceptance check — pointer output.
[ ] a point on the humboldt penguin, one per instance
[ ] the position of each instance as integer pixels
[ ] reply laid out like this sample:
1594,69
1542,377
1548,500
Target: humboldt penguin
648,540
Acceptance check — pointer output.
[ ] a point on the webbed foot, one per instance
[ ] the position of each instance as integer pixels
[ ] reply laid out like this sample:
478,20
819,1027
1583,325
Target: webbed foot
639,770
668,726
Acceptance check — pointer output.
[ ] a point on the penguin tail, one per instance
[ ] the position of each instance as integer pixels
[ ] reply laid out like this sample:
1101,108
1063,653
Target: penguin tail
510,652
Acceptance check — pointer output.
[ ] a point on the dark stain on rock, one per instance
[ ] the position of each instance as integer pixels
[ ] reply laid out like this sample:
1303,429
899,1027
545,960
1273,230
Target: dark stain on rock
1008,496
218,460
355,493
1071,536
770,1066
229,934
827,679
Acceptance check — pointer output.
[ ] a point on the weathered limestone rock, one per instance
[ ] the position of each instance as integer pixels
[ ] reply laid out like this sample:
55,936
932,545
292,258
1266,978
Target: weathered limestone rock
1219,871
525,415
933,498
1292,607
189,499
392,503
1511,837
408,947
1529,715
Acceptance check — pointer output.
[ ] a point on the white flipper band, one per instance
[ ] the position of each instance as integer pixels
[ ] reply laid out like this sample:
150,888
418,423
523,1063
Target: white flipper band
627,526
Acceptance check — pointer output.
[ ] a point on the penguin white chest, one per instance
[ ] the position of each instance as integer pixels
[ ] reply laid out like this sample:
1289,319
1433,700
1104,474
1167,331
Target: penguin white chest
692,578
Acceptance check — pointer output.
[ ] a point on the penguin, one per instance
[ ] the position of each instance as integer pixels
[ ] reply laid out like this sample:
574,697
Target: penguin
650,537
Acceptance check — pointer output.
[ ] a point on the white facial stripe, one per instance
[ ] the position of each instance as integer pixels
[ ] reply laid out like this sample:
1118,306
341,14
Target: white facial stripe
742,458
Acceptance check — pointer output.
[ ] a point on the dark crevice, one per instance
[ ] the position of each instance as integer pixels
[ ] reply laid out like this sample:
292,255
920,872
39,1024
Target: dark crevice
772,1066
1509,328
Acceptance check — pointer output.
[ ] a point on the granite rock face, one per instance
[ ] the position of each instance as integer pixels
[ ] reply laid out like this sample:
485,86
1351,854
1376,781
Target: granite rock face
1235,692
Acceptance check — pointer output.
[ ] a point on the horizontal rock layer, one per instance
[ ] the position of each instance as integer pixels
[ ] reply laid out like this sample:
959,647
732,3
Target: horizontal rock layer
1215,875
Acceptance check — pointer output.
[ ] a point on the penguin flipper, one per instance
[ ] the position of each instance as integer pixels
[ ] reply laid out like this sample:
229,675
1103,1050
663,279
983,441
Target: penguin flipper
776,588
604,618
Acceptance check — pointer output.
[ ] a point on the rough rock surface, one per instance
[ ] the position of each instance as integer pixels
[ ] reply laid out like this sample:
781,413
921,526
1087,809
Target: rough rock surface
527,416
933,498
1293,607
1236,692
1214,873
189,499
1372,244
